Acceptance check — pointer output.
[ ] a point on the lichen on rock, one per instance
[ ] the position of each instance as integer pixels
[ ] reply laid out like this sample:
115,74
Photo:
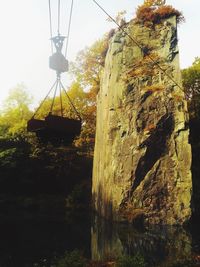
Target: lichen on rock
142,157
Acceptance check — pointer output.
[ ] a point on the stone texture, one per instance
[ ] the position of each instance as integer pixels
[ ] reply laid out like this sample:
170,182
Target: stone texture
111,241
142,157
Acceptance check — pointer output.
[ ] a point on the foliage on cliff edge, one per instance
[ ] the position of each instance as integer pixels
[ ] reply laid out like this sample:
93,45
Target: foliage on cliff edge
150,15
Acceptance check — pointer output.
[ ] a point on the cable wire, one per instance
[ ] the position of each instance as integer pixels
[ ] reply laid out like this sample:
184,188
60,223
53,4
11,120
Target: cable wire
58,17
138,44
69,27
70,101
44,100
50,23
61,102
54,96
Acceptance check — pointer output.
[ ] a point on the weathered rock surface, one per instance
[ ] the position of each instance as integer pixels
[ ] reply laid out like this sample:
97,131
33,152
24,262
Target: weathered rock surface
111,241
142,157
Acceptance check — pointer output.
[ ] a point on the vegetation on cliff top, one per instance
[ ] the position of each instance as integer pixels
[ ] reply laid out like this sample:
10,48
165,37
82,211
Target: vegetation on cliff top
149,14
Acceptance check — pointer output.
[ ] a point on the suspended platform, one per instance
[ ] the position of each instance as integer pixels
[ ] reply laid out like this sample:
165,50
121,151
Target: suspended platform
55,129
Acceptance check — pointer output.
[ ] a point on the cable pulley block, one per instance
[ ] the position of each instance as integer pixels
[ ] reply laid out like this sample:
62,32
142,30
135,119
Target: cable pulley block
58,63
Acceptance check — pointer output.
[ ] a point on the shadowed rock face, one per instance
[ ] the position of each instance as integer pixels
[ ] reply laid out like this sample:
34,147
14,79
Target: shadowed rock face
161,246
142,156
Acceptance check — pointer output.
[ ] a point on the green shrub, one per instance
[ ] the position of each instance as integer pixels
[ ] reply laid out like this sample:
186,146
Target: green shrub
131,261
187,263
78,198
71,259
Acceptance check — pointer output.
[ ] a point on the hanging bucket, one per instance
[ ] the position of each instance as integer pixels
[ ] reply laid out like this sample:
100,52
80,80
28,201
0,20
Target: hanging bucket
55,129
63,126
35,125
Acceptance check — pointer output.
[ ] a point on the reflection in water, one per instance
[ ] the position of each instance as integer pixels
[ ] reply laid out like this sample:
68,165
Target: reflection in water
159,246
38,244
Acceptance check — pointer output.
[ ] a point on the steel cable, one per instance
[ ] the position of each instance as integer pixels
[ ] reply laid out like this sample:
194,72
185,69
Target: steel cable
58,17
44,99
54,96
70,101
61,102
69,27
50,23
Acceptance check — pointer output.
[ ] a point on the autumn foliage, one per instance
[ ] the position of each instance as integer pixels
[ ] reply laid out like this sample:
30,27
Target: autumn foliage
154,88
146,67
151,14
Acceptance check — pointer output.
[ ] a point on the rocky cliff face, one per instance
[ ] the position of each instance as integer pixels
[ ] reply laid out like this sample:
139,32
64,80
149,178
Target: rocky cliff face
142,156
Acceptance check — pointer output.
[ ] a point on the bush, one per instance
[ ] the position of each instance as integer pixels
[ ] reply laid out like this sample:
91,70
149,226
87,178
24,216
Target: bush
164,12
154,15
79,197
187,263
71,259
145,13
131,261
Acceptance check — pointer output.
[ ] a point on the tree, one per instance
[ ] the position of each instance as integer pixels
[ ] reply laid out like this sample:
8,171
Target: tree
15,113
191,83
85,104
154,2
89,64
87,73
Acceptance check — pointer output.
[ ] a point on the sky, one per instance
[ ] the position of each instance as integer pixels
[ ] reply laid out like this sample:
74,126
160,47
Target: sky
25,33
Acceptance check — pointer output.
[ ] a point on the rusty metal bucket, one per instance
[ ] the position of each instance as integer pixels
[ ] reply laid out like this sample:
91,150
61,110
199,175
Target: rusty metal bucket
55,129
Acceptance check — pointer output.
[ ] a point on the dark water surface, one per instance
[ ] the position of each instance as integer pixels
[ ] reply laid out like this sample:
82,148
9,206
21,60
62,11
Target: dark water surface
32,243
28,243
160,246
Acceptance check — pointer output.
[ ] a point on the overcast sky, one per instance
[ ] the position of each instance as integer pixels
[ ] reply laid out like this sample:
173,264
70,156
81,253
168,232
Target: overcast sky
25,46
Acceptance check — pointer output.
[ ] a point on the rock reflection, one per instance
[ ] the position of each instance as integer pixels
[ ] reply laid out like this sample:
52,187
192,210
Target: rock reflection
160,246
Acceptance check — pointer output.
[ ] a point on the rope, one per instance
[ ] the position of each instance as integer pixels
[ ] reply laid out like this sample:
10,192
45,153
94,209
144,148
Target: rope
70,101
55,85
69,27
50,23
52,104
138,44
58,17
44,100
61,103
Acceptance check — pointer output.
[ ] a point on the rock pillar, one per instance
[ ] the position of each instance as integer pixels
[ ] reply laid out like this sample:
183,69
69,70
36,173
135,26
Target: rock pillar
142,157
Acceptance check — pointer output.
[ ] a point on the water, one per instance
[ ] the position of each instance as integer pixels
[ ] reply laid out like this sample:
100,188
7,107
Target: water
31,243
38,243
160,246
